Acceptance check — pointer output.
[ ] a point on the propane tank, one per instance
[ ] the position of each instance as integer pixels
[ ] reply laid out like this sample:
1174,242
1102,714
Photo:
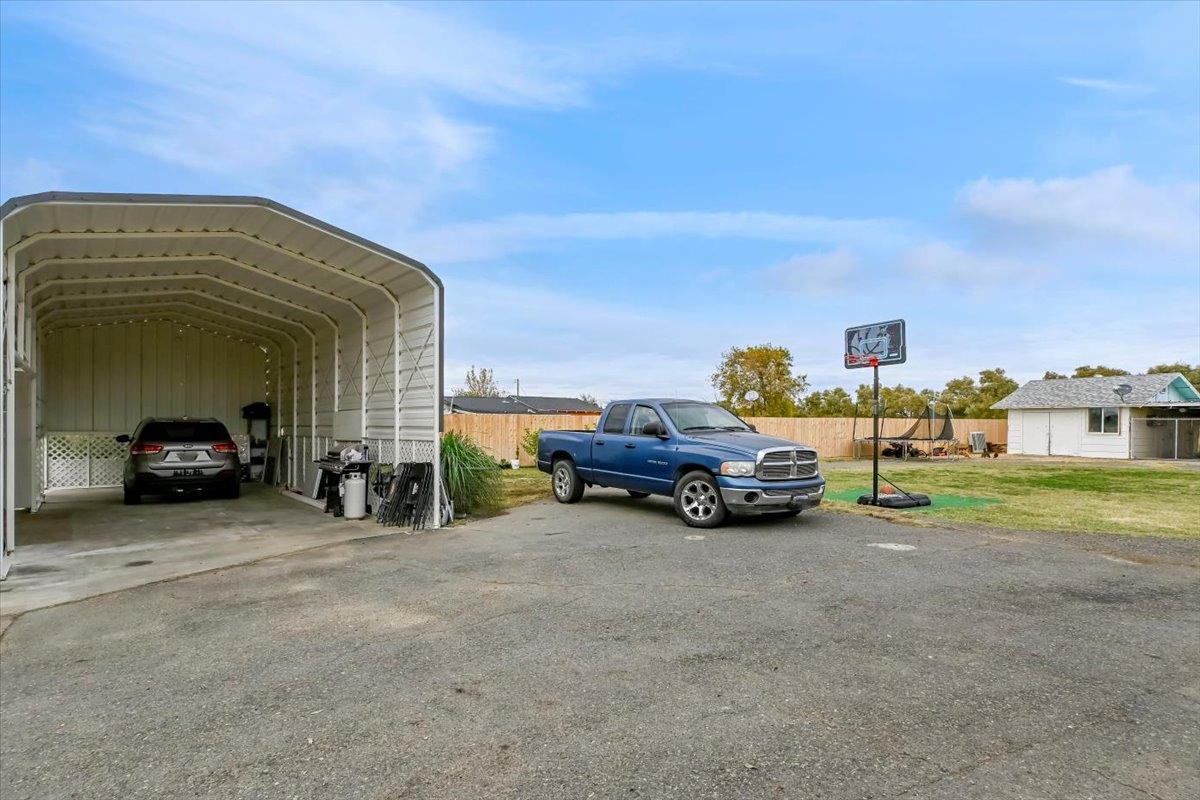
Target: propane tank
354,496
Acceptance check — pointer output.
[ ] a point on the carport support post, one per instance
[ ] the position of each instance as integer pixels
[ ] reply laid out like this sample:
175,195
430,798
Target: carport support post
875,438
7,439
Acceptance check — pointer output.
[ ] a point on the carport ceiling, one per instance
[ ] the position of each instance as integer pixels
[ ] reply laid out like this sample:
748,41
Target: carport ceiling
249,257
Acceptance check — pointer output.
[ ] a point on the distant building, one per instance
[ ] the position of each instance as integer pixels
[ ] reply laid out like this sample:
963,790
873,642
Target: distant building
525,404
1127,416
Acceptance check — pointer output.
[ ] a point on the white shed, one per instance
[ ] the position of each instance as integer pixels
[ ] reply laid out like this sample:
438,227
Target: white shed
118,307
1129,416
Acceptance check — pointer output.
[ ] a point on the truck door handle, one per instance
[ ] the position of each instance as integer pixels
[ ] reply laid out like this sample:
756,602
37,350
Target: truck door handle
598,443
631,445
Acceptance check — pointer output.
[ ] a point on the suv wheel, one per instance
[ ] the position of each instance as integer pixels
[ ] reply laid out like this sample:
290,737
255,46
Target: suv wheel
132,497
565,482
698,500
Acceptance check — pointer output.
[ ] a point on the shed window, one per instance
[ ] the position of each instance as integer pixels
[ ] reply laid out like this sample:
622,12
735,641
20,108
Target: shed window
1104,420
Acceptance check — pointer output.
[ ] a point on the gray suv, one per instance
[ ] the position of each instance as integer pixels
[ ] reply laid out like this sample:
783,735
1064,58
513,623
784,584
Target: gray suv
169,454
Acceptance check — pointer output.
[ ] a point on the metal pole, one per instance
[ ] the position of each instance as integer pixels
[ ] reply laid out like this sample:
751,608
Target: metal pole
875,443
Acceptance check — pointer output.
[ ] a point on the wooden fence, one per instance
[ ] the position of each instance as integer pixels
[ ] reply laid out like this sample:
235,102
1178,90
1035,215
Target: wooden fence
500,434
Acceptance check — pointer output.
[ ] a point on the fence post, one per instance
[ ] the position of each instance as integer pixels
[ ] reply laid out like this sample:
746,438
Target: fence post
1176,440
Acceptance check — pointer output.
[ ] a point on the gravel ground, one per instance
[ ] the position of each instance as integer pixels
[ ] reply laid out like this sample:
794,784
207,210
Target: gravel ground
604,650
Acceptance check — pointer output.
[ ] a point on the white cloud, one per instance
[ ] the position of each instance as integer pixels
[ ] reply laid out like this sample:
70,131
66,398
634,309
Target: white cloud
29,176
1105,85
939,261
522,232
379,93
1106,206
814,273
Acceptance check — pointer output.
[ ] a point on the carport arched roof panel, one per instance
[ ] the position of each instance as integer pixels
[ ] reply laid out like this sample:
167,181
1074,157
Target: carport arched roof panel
271,223
263,326
46,266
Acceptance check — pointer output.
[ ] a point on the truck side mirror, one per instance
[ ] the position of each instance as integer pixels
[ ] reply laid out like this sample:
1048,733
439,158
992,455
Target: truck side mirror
124,438
654,429
752,427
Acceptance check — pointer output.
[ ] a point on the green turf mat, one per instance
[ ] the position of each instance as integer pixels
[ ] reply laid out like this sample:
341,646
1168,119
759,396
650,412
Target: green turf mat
939,500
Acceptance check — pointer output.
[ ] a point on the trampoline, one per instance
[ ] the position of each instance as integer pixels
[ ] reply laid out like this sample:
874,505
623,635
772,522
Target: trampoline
930,436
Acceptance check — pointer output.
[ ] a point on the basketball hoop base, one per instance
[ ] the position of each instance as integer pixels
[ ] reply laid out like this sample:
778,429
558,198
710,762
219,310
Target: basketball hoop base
910,500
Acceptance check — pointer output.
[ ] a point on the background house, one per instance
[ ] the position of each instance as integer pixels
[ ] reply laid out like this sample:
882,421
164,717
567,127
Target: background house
1129,416
525,404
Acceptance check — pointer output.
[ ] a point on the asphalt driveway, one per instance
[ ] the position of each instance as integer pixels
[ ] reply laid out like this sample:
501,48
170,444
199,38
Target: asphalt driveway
604,650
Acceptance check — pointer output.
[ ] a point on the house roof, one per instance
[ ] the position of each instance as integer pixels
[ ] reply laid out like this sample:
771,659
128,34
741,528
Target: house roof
525,404
1145,390
547,405
488,405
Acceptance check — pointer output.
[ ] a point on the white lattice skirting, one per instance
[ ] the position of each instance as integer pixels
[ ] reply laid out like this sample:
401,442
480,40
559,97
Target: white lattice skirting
91,459
304,450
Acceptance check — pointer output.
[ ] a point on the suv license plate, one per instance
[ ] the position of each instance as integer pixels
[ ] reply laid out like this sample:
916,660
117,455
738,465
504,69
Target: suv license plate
187,473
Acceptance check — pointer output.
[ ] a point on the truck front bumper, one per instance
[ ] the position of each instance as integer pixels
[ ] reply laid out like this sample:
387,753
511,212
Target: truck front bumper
752,496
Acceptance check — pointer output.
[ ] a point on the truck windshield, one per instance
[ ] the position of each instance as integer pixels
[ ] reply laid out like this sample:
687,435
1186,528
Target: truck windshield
702,416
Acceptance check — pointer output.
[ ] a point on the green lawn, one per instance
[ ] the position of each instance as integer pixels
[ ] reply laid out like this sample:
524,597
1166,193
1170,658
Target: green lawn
523,486
1139,499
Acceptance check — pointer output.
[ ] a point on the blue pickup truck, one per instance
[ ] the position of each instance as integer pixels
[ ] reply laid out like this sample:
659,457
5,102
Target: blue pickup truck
709,460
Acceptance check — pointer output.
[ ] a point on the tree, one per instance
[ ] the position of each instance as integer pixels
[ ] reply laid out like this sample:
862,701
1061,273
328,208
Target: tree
994,386
834,402
897,401
960,394
765,369
480,383
1052,376
1098,371
966,398
1191,372
587,398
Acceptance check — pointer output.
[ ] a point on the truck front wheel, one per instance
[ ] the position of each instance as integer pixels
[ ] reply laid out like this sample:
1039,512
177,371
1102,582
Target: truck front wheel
564,480
698,500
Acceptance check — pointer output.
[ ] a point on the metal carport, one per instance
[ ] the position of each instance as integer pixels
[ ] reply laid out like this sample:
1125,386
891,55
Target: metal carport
121,306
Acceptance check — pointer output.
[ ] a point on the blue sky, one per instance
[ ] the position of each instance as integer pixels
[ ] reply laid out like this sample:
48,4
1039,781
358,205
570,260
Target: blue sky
615,194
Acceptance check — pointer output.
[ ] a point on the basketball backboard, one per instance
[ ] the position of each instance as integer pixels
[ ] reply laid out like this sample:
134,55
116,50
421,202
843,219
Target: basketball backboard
879,342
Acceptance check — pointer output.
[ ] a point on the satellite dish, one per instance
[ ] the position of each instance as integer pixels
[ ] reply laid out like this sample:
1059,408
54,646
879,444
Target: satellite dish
752,396
1123,390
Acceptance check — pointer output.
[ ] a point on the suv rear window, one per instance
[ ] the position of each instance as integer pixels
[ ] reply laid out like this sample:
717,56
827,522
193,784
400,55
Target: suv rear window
615,422
184,431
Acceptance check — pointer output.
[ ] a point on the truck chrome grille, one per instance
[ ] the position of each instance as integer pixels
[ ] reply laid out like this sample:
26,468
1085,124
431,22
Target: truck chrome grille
782,465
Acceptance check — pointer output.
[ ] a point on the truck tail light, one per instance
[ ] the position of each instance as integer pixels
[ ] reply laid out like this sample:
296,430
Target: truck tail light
143,449
224,447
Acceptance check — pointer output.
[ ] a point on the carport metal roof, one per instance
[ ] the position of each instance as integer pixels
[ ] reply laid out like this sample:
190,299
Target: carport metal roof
244,266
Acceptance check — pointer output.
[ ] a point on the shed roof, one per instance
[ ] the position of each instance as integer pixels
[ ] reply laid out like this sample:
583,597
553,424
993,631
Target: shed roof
525,404
1099,391
548,405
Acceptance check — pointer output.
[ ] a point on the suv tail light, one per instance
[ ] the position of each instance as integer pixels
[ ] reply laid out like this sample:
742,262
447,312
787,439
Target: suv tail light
224,447
143,449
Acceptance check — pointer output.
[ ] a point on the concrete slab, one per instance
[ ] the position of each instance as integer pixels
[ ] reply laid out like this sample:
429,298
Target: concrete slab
85,542
605,650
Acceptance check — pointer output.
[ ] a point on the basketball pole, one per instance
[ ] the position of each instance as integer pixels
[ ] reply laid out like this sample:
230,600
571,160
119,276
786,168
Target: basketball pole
875,440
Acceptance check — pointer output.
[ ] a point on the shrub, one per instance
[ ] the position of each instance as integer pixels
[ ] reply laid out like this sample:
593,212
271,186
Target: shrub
471,475
529,442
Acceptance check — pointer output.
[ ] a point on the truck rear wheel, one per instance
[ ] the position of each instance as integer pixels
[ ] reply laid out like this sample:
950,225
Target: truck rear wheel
564,480
698,500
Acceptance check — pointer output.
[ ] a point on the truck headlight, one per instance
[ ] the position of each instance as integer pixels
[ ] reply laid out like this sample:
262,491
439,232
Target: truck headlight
737,469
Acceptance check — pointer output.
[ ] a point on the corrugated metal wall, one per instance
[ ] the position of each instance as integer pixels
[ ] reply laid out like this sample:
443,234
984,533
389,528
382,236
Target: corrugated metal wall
109,377
417,360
